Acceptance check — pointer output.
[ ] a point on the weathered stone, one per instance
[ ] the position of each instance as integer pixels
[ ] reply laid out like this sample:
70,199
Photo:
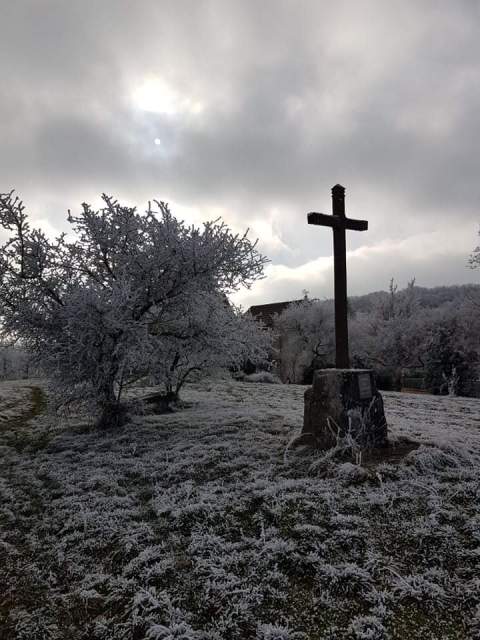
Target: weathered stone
344,402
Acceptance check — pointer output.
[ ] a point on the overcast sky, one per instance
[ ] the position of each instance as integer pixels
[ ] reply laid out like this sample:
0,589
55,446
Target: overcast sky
253,110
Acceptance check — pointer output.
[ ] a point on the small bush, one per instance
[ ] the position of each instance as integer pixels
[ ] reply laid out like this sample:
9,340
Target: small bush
262,376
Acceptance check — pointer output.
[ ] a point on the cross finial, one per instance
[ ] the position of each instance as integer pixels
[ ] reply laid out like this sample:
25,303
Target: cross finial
338,200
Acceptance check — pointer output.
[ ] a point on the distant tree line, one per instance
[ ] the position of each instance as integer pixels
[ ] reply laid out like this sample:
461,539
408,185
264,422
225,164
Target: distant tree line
435,332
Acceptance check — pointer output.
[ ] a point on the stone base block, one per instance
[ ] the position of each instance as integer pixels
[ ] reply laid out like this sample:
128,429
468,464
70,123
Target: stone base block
341,403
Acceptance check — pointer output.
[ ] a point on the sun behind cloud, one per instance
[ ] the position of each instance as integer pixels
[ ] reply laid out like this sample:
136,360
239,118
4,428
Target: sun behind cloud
155,95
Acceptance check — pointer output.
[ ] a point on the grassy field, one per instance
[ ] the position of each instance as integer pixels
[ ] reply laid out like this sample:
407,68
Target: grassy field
205,523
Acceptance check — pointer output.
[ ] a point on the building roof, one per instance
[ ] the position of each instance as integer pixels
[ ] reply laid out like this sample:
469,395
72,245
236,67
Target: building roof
266,312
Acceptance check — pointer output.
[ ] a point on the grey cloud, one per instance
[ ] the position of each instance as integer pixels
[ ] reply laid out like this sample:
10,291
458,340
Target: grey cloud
297,96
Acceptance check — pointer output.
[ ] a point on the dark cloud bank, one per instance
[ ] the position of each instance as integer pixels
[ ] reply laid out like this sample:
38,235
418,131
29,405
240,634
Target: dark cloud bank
257,109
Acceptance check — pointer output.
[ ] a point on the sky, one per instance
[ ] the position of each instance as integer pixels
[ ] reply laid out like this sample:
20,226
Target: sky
252,110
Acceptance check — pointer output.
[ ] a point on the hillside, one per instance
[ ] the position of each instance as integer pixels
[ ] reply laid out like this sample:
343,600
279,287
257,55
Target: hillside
428,298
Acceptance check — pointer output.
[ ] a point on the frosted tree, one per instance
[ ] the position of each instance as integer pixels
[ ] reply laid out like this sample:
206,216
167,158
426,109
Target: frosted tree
436,331
306,338
475,257
90,309
449,368
209,334
388,336
474,262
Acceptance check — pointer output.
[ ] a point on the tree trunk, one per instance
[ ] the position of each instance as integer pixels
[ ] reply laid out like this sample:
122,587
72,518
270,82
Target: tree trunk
113,414
162,402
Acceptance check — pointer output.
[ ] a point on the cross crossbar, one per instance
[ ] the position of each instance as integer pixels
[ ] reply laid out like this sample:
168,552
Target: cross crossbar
336,222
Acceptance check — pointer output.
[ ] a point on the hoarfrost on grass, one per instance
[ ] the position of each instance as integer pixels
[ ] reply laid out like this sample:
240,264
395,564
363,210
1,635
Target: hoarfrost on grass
197,524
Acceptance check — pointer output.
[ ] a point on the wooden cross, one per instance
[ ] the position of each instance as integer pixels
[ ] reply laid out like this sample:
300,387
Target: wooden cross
339,223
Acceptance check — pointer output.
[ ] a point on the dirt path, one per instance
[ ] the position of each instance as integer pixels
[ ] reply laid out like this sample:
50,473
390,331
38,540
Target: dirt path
20,402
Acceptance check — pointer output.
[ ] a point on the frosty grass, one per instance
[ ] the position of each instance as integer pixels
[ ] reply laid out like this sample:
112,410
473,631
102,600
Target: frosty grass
203,523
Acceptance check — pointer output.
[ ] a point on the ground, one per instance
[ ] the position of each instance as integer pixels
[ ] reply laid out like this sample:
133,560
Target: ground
207,523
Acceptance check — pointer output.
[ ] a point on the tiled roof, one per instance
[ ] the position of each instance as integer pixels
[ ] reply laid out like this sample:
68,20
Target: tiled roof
265,312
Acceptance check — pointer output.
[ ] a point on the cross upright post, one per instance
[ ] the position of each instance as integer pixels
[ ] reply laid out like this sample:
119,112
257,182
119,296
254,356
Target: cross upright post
339,222
342,356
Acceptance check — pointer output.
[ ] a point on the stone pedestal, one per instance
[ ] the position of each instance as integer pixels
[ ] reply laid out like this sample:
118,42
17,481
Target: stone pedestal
344,402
